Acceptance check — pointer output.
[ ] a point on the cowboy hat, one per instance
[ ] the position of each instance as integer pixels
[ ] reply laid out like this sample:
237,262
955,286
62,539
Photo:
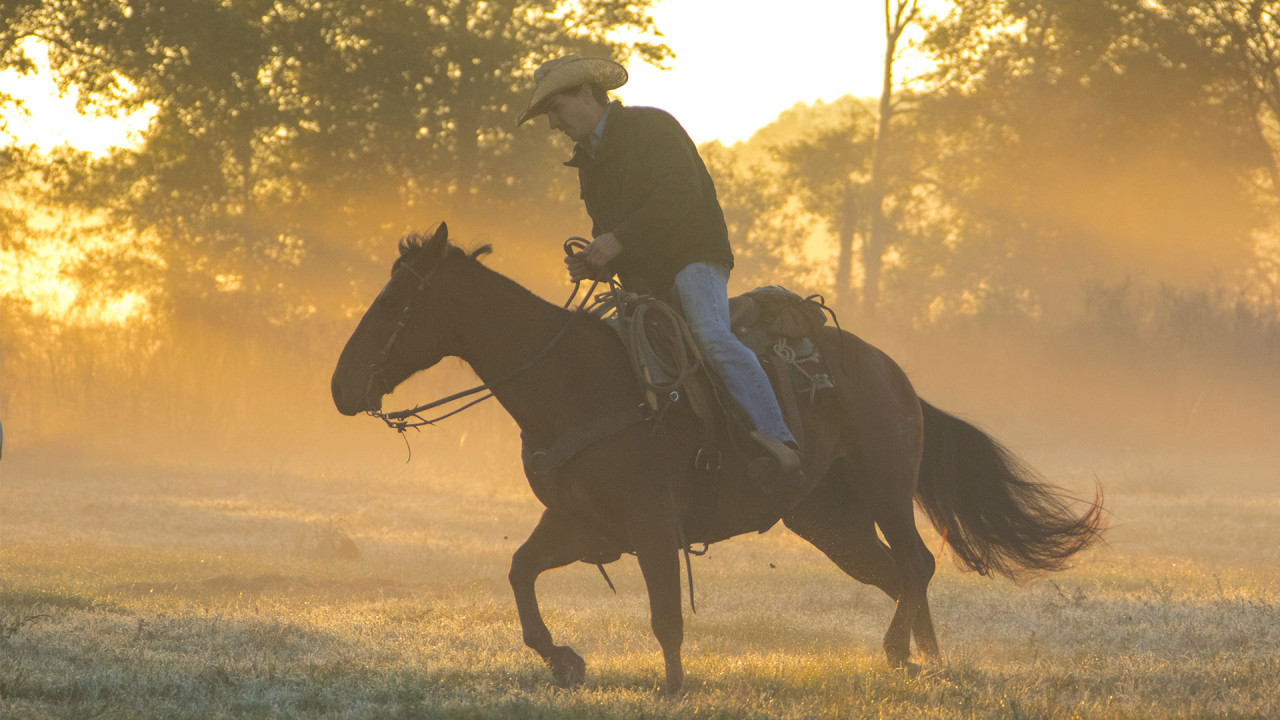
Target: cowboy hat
566,72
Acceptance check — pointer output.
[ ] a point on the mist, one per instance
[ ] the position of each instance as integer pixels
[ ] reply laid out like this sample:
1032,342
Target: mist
1066,234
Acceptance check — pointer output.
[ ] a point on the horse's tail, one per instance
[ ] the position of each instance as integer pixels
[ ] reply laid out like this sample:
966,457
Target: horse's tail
995,512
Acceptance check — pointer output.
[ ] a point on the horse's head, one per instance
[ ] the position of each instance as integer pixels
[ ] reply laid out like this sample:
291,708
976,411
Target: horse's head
409,327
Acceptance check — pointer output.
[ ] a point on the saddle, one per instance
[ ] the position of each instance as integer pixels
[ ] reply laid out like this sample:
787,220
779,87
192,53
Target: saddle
773,322
778,326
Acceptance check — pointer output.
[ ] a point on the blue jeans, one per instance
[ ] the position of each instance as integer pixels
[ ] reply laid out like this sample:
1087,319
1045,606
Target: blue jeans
703,291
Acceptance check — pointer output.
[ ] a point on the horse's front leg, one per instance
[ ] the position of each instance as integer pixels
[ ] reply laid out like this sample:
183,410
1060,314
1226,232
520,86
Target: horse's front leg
657,550
553,543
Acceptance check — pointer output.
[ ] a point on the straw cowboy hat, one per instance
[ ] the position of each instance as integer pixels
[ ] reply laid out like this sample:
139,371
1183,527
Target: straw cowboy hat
566,72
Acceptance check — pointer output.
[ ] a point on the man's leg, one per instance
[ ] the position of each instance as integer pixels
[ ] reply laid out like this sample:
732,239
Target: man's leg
703,292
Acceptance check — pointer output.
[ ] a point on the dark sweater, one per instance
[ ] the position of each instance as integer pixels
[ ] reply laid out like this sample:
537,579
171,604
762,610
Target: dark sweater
648,186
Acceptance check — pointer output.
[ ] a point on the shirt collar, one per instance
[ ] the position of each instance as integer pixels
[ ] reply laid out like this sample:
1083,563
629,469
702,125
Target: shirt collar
592,146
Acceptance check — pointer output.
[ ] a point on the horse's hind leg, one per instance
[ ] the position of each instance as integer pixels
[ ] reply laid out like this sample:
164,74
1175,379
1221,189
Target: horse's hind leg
834,521
840,523
917,564
923,632
554,543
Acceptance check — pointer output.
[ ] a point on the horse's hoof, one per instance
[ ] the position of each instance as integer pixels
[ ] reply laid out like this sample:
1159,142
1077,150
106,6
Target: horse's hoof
567,667
900,662
675,683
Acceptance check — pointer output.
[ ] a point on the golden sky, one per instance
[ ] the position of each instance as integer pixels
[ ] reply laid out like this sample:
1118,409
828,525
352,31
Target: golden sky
738,64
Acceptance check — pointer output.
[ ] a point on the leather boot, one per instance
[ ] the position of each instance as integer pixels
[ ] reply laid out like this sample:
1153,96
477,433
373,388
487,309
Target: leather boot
780,472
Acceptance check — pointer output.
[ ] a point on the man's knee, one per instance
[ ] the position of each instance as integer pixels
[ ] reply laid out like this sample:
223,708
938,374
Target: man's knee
727,350
711,336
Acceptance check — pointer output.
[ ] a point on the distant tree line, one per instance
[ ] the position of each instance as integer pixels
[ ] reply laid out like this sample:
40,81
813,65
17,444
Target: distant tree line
294,141
1108,158
1056,142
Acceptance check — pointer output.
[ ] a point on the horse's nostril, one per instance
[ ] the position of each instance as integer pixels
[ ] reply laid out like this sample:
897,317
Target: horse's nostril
337,392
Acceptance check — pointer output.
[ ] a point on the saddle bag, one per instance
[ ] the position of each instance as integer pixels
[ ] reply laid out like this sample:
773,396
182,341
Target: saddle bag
777,311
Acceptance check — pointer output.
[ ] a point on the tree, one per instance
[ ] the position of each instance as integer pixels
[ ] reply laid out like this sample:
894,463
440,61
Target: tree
12,210
292,140
763,229
844,172
1249,34
828,170
1075,136
782,192
897,17
800,182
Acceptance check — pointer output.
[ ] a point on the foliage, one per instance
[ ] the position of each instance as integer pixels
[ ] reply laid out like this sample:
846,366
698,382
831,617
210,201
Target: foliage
1077,137
12,214
1248,34
787,186
1211,323
828,170
289,136
831,156
767,229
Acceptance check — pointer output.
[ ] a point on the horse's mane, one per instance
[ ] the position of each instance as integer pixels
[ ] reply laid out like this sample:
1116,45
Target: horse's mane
412,243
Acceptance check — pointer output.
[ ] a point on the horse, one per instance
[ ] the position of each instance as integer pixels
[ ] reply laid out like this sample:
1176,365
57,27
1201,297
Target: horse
871,449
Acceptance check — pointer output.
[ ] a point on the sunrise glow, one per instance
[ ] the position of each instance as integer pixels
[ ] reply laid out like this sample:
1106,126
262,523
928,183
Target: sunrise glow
306,413
49,118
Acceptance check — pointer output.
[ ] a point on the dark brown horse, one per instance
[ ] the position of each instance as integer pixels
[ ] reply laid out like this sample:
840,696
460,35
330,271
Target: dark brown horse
871,449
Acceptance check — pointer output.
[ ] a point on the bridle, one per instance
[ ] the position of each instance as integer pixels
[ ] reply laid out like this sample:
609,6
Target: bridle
376,373
402,420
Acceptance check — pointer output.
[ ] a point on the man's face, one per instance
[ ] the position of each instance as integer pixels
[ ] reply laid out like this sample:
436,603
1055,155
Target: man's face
574,113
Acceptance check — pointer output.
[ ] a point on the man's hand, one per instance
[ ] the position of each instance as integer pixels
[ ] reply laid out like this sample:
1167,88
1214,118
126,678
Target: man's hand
591,263
602,250
577,267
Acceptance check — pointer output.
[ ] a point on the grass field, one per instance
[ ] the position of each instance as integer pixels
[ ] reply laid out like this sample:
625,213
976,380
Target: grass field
137,591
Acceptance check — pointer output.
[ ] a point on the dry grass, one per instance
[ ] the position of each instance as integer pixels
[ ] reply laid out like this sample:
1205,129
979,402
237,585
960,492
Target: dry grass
168,592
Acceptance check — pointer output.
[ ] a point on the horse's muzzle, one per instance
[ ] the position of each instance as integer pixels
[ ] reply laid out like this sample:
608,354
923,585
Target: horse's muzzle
353,403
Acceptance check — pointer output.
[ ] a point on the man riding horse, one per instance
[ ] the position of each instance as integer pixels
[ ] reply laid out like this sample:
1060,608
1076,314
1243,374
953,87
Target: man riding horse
657,224
615,482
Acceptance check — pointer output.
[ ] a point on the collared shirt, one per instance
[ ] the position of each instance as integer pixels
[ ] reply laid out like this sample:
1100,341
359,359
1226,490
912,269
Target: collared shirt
597,136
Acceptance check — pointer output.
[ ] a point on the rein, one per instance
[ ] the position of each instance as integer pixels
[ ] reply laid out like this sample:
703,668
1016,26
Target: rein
687,361
402,420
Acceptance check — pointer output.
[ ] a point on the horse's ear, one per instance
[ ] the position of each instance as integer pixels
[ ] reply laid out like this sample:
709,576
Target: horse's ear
438,242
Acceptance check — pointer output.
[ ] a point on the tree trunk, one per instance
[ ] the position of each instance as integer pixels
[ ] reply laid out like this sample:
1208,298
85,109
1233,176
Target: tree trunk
877,240
844,242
